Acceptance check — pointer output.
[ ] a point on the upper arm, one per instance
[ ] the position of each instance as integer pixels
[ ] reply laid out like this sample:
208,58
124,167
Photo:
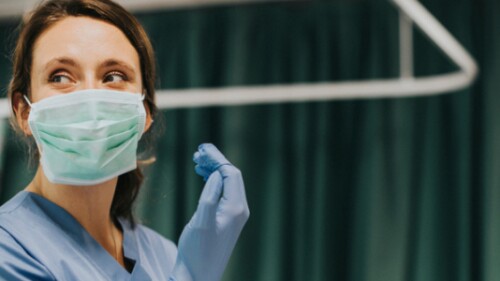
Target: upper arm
17,264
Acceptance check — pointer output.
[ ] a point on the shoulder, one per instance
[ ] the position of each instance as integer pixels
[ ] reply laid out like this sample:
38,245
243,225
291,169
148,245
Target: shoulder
18,209
17,263
21,214
14,203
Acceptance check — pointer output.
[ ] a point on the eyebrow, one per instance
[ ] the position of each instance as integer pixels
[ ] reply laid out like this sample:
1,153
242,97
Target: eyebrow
61,60
115,62
73,63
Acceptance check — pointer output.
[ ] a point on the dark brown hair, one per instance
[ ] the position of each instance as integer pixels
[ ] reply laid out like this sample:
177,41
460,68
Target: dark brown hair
43,17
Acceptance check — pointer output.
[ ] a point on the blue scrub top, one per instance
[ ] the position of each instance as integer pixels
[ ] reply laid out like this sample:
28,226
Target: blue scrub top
41,241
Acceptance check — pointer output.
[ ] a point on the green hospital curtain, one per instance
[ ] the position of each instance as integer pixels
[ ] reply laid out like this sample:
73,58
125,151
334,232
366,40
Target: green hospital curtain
376,190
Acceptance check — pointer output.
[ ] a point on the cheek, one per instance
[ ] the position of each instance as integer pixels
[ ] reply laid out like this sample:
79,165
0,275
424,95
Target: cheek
42,93
37,91
134,85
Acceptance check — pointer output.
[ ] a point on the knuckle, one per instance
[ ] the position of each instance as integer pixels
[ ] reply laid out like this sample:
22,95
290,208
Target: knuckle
241,213
236,171
205,203
207,206
246,214
231,170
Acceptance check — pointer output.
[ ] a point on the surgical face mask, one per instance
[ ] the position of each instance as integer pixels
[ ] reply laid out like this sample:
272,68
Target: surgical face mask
87,137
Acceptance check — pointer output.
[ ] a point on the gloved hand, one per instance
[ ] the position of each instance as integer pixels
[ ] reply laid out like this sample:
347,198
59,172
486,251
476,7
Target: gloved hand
208,239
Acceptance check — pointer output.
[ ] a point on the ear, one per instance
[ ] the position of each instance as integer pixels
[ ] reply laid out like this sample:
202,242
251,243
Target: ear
149,118
21,112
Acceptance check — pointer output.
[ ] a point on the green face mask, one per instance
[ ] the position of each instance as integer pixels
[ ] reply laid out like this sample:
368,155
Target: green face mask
87,137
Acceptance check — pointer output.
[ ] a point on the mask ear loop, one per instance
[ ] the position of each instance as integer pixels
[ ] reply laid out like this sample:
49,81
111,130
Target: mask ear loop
27,100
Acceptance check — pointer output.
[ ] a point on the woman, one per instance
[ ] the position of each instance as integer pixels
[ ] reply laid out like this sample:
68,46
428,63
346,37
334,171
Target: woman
83,90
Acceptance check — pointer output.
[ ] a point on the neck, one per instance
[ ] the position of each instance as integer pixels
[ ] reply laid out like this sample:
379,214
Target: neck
89,205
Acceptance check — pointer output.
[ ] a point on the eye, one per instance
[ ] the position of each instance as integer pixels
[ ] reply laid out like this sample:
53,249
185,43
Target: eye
115,77
60,78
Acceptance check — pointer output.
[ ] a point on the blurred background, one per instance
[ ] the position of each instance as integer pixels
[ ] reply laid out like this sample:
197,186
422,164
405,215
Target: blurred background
379,189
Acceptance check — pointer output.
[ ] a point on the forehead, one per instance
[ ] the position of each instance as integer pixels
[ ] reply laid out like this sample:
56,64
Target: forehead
85,40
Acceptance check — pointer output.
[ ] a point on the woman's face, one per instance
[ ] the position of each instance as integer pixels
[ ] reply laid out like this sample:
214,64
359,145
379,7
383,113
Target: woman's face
80,53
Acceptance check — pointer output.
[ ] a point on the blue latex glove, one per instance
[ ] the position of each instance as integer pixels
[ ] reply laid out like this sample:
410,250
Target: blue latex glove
209,238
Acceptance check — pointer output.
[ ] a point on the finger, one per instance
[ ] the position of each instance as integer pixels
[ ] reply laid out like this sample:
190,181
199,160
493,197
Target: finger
200,170
210,157
196,157
209,199
233,200
205,146
234,188
213,188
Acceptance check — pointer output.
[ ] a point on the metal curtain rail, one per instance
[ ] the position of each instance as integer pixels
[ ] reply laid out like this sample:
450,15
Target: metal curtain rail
411,11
